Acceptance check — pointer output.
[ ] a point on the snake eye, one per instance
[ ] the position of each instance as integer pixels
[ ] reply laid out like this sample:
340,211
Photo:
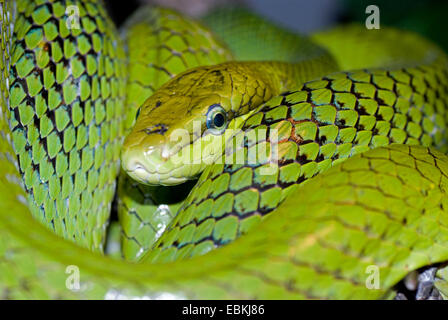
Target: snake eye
216,119
137,113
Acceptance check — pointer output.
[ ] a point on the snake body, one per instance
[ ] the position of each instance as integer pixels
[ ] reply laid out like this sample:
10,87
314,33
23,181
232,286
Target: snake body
63,122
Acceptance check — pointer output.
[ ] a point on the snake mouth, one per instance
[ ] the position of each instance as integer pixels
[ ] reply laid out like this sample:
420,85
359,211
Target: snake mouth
140,174
138,171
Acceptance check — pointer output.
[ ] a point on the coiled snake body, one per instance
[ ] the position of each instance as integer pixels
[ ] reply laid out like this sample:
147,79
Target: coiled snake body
69,96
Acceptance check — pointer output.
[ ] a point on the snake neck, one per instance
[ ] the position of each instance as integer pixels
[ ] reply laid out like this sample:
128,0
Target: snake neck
276,77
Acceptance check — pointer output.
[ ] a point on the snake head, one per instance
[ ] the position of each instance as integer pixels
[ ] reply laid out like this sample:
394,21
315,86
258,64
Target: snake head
181,128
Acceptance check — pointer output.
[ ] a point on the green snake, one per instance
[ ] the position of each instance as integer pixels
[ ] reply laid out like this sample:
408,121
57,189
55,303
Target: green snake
357,180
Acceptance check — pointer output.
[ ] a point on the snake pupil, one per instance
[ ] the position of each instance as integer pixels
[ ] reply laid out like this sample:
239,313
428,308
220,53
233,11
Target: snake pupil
219,120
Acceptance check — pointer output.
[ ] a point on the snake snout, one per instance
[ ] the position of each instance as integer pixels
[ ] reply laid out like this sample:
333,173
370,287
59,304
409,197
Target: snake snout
149,161
136,170
145,165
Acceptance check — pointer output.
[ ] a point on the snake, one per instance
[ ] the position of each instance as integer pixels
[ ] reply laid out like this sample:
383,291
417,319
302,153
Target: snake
336,142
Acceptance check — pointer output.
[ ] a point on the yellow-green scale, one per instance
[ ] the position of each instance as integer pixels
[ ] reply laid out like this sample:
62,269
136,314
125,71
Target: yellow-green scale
66,115
165,41
160,44
317,245
322,124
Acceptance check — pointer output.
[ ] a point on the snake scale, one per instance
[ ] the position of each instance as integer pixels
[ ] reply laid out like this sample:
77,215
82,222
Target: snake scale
360,178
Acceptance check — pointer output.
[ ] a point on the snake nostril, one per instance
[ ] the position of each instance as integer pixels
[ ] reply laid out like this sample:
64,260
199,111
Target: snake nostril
165,153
